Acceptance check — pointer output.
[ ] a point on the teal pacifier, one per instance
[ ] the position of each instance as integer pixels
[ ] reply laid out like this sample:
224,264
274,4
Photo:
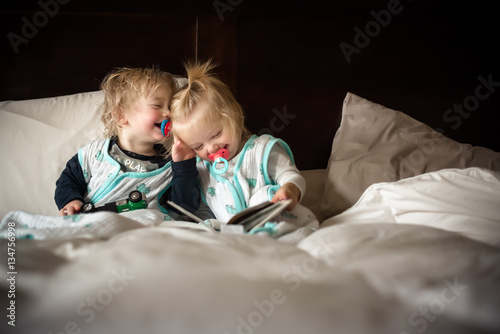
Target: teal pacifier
220,158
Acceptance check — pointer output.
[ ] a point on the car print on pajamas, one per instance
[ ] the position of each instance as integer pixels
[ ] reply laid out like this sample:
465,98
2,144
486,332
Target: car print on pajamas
136,200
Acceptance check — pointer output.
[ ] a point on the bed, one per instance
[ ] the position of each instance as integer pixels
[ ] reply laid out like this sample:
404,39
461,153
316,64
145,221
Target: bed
409,240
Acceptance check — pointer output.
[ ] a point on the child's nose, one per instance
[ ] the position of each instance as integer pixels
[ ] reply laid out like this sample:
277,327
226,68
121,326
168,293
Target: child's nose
213,149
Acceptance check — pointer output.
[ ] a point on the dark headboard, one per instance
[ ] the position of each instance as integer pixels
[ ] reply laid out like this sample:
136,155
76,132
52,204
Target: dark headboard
290,64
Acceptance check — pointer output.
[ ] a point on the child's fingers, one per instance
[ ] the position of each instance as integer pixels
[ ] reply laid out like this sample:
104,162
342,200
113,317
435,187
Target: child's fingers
67,211
279,196
71,208
177,140
180,151
282,195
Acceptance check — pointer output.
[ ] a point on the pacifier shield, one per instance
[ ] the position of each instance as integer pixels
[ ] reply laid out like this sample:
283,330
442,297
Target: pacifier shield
222,153
165,127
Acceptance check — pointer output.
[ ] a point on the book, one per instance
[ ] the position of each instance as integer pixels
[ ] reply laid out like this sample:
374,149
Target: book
250,218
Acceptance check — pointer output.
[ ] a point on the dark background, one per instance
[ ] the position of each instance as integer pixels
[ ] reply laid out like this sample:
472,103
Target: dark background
278,57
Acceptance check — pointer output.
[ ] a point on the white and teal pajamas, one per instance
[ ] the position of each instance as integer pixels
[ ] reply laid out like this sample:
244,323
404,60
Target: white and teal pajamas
107,182
254,175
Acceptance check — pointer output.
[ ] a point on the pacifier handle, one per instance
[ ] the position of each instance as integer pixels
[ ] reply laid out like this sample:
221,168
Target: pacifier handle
165,127
220,157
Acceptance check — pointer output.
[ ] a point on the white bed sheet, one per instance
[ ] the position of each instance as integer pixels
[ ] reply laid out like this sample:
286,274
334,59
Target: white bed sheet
130,275
361,279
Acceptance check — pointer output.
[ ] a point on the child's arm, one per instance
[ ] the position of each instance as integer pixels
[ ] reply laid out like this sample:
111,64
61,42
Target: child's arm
70,188
283,172
184,189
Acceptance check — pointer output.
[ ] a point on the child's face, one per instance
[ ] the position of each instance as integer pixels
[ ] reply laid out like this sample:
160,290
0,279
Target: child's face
143,120
207,138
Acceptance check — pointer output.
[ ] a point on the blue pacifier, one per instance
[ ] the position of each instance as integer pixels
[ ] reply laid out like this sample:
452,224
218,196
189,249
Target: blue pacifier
220,157
165,128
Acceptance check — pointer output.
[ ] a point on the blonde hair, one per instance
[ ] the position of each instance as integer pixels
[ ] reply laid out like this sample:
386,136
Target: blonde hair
204,85
124,86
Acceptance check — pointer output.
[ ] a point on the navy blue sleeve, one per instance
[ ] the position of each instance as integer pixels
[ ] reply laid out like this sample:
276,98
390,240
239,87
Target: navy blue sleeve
71,184
184,189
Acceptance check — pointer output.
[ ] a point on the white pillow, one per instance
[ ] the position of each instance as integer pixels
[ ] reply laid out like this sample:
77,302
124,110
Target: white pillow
38,137
377,144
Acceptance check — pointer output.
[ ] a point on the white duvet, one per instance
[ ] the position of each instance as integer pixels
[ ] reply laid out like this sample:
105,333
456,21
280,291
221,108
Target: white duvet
436,273
466,201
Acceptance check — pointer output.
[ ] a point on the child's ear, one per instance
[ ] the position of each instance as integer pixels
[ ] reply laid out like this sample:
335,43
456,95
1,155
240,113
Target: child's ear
121,117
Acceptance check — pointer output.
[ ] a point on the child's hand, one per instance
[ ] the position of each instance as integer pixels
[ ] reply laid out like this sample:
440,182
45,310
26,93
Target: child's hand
287,191
181,151
71,208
